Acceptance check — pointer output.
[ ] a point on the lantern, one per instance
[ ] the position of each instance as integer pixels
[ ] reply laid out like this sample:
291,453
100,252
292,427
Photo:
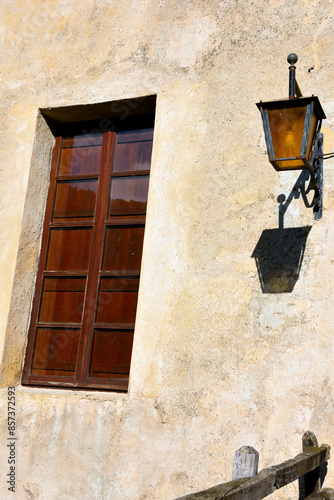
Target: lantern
292,133
291,127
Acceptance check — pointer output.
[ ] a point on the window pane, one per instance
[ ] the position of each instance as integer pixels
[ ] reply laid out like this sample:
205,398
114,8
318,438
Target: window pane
80,160
62,300
111,355
69,249
128,195
133,156
56,350
123,248
117,301
75,199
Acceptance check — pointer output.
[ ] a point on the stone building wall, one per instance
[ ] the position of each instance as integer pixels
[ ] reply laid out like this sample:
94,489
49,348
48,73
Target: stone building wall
217,363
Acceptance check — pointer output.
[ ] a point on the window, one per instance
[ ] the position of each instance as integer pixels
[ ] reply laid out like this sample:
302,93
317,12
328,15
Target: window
84,310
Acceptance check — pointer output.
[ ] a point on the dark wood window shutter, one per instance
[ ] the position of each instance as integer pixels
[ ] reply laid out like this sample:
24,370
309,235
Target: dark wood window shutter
84,310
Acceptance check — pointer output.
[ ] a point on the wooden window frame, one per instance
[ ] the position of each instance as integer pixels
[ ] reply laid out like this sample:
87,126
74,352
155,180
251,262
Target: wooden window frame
103,220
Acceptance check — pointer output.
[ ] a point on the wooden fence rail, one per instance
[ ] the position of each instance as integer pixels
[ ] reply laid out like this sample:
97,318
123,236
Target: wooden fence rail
308,467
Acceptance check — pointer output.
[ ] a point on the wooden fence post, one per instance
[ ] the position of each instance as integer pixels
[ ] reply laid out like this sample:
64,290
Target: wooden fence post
310,483
246,462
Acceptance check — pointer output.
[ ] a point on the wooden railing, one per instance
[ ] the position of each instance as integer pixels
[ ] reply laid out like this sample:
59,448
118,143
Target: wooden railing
309,468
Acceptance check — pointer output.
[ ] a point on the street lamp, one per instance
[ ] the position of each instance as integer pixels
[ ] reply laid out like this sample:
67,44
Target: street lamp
292,133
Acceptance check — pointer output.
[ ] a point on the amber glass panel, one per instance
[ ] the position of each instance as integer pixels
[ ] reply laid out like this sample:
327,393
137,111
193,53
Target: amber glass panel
62,300
80,160
56,350
117,301
69,249
128,195
111,355
123,248
75,200
287,127
297,164
133,156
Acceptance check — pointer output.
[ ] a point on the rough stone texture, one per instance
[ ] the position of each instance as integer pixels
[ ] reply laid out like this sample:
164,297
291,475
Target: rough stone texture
217,364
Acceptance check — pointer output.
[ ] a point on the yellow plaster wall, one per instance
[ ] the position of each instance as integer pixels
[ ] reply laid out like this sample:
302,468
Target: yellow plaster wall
217,364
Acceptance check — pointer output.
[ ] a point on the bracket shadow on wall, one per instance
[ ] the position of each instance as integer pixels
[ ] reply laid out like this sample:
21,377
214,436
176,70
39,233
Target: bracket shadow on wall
279,252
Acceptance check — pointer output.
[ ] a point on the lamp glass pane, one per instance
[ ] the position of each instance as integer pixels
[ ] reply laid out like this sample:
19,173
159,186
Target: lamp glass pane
287,127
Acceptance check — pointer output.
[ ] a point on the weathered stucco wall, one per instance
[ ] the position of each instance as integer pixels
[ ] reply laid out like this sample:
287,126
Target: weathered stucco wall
217,363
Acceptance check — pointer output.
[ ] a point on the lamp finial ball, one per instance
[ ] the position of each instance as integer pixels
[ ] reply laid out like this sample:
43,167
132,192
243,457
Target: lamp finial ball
292,59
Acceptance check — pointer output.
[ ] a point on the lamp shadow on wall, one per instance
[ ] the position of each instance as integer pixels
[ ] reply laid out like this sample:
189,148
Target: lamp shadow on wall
279,252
